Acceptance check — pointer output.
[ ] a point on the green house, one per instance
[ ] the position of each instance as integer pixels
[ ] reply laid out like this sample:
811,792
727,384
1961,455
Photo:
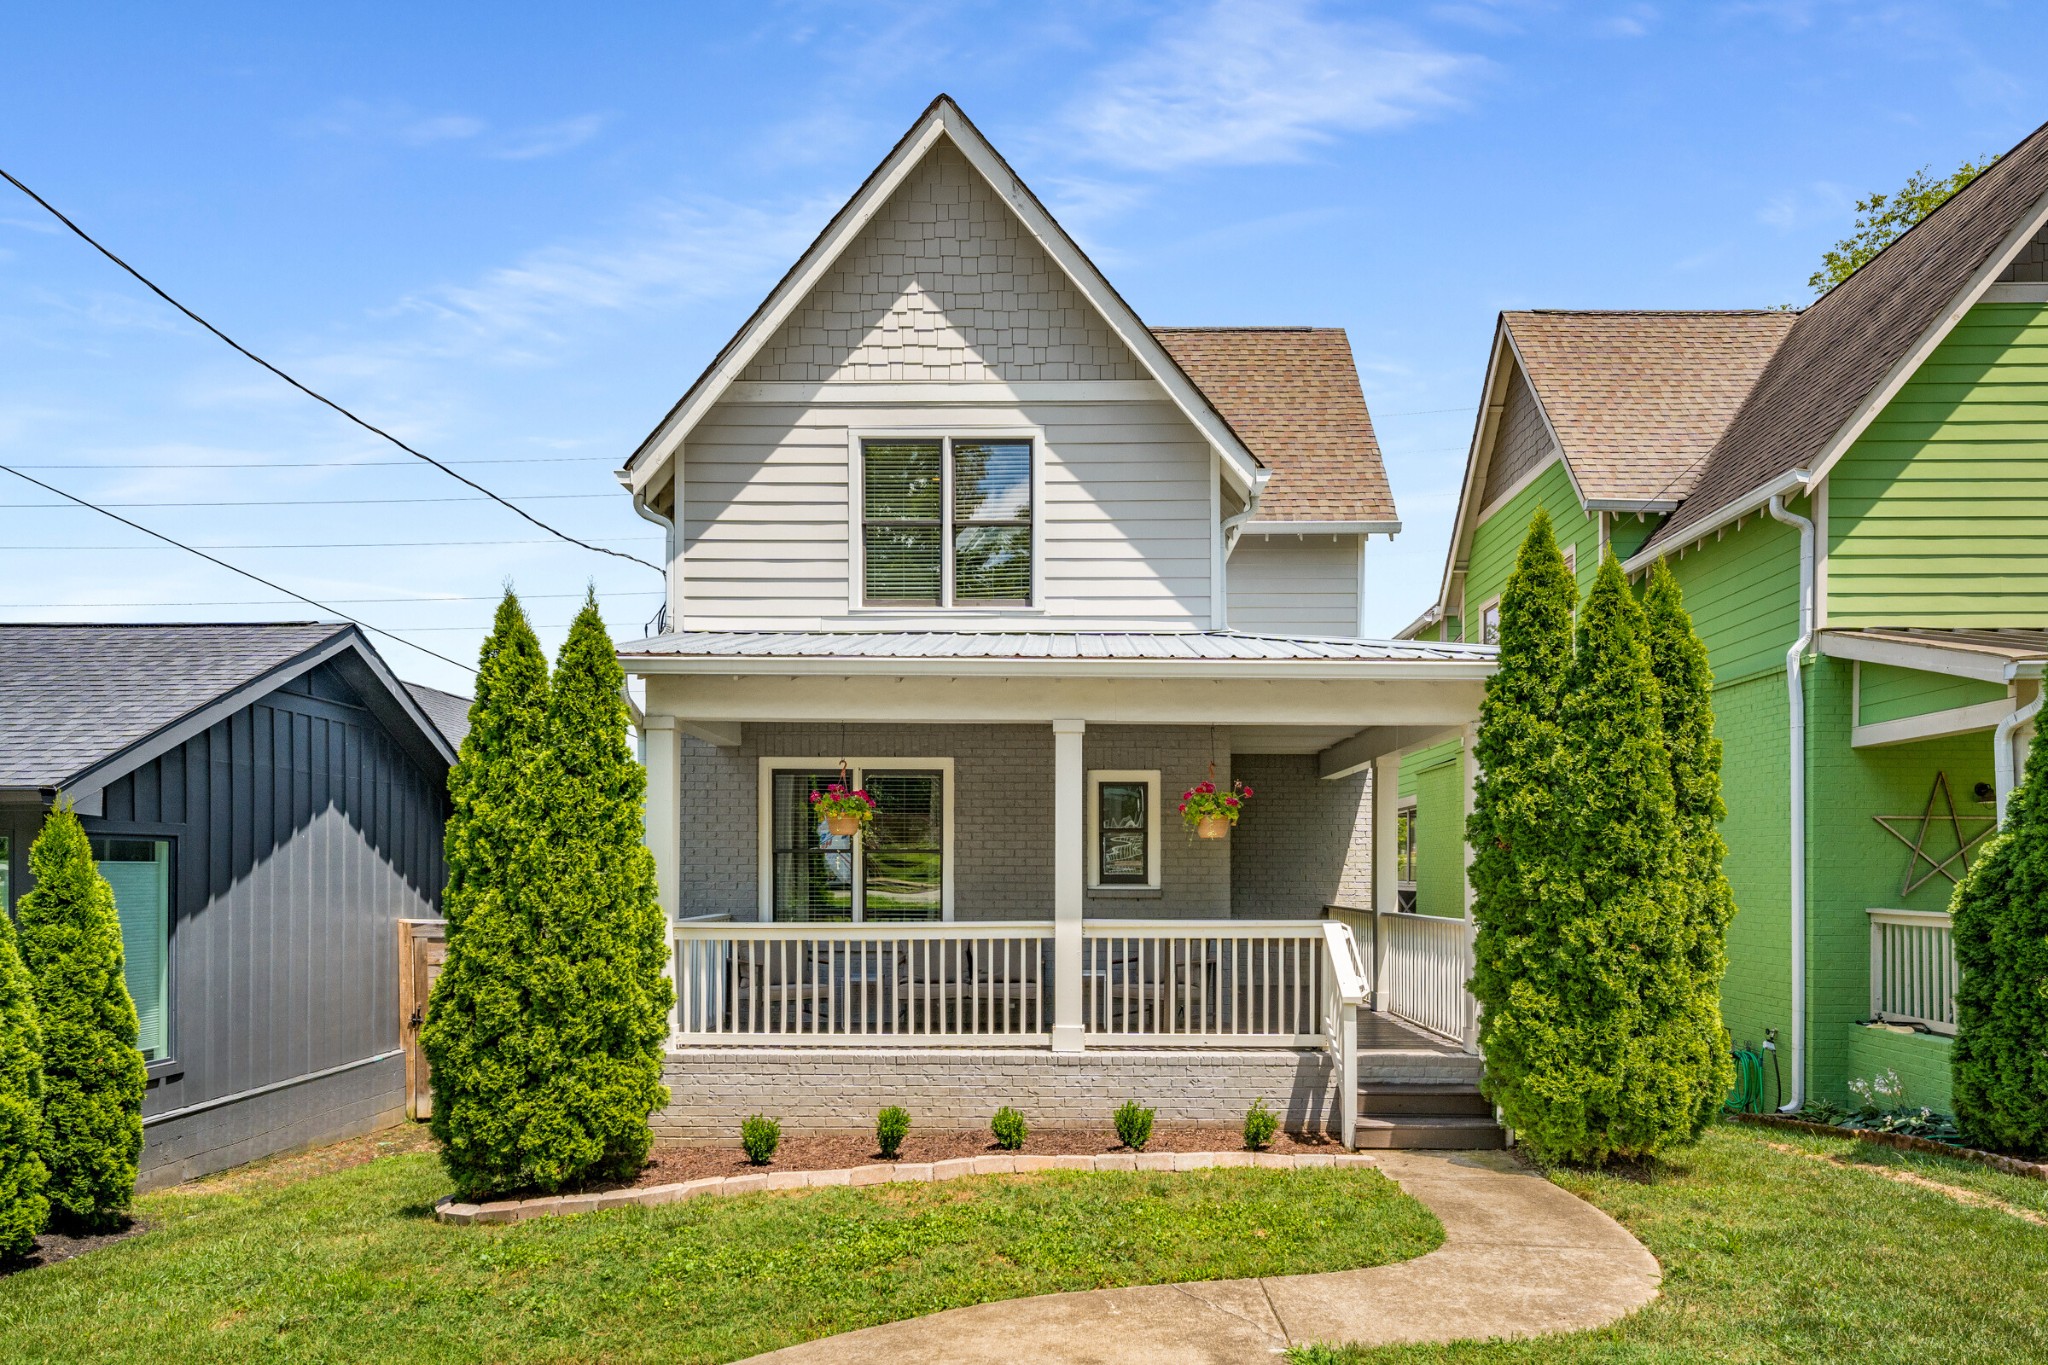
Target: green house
1855,500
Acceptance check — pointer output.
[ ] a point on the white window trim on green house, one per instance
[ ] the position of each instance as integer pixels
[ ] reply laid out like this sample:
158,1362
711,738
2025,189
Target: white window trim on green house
1148,779
858,771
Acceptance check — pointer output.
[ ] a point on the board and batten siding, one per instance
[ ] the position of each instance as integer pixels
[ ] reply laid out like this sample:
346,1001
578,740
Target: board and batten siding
1294,584
1937,514
301,833
1123,530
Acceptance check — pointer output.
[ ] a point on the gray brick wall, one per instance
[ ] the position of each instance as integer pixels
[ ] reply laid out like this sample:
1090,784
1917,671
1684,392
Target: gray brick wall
1002,813
712,1089
1302,843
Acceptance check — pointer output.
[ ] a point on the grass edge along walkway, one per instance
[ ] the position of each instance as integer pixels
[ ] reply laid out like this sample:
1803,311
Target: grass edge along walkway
349,1266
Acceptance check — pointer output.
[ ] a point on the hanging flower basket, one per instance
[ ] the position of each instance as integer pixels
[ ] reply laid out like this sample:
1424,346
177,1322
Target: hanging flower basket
1211,813
845,812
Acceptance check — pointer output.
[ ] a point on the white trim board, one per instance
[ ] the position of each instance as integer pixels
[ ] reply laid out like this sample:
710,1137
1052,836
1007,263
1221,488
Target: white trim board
1927,658
764,831
926,392
1959,720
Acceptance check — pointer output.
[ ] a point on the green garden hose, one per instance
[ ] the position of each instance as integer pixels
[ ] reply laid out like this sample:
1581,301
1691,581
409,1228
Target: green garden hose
1749,1083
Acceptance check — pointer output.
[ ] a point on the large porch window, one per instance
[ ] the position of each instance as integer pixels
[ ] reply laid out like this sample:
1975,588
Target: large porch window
896,872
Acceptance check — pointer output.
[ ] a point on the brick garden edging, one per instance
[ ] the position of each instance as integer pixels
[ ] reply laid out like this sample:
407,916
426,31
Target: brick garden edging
1905,1142
516,1210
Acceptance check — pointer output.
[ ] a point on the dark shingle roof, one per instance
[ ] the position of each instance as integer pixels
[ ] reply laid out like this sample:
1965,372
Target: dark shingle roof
1843,346
72,696
1638,398
449,712
1292,396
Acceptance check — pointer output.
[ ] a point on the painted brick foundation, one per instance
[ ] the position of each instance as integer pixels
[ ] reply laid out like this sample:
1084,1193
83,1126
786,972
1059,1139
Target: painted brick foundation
841,1090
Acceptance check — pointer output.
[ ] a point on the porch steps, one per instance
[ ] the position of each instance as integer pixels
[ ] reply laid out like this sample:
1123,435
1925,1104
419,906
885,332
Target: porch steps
1427,1114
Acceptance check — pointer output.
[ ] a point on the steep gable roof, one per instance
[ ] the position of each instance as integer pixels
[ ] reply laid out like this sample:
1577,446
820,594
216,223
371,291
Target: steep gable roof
82,703
1292,393
1850,350
942,124
1637,398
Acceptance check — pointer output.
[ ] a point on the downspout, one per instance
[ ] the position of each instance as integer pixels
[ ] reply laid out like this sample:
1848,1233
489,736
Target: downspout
2001,750
1796,692
668,545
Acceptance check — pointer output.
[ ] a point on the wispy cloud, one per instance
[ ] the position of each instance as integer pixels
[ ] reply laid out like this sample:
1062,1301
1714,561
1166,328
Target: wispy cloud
1630,21
551,138
1823,200
1251,81
397,123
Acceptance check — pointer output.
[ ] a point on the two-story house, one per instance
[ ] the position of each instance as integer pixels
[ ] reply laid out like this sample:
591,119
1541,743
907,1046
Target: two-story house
946,518
1854,499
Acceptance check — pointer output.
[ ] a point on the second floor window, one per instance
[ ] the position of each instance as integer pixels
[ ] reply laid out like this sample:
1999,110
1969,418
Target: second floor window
946,522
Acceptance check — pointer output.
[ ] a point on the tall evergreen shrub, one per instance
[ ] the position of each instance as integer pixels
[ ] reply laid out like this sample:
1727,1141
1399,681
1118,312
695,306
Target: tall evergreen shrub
1685,683
505,727
1516,826
1999,1060
92,1073
24,1208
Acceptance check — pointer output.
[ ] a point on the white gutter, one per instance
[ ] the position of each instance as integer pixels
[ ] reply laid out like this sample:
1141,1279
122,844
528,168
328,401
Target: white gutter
668,540
1726,515
1233,526
2001,750
1796,692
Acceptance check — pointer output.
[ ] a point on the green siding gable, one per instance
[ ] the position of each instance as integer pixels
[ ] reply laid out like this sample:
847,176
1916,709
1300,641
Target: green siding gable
1886,693
1938,515
1496,540
1742,588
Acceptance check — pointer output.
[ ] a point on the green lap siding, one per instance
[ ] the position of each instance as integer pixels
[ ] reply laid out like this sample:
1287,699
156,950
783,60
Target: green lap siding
1742,588
1887,693
1434,777
1936,514
1496,540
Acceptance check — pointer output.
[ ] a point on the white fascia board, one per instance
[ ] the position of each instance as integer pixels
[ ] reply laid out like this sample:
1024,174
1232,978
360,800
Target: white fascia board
1657,505
1924,658
1179,670
1485,431
1321,528
1789,482
1430,616
1970,295
1959,720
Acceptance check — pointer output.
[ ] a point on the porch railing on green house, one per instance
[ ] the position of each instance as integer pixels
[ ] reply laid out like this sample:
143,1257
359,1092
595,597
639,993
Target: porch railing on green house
1913,971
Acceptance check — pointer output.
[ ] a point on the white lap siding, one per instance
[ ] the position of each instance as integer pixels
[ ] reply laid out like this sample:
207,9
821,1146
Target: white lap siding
1295,585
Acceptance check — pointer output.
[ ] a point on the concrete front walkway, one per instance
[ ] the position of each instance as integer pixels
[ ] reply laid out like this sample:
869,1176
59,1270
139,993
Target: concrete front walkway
1520,1258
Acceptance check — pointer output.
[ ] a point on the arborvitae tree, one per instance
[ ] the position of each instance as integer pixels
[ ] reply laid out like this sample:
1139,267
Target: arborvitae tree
1607,970
1515,829
92,1073
1685,686
472,1036
1999,1061
23,1206
505,725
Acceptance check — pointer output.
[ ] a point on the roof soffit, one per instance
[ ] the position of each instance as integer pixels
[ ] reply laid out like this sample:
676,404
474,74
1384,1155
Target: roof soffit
942,120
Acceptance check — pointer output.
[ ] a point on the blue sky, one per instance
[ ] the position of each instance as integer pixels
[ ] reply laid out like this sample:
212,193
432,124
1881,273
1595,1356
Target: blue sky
515,235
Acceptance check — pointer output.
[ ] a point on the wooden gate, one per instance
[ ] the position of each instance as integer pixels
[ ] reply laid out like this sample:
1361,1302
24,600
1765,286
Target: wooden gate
422,948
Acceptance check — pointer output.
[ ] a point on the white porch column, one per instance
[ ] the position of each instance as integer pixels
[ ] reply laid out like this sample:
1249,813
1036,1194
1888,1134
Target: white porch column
664,821
1069,816
1386,869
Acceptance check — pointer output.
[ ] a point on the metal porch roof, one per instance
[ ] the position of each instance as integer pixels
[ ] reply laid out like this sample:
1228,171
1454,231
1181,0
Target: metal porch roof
1162,646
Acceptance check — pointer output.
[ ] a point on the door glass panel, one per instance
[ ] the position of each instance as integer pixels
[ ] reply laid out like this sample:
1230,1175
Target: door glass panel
139,871
813,876
903,851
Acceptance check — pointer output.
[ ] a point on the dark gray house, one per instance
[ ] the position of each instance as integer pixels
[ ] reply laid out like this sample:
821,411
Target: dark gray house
267,802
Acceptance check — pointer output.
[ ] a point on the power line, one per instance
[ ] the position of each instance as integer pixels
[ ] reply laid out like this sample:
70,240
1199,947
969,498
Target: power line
318,397
348,601
255,578
307,502
321,464
315,545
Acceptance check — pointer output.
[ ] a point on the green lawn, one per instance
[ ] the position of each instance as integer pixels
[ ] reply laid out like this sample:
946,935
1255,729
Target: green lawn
1775,1256
348,1266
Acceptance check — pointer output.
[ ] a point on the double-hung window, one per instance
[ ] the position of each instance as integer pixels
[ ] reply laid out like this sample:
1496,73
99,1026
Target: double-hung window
946,522
1123,829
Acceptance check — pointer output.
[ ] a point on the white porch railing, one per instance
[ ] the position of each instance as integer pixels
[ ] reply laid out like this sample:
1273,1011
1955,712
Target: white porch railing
1913,971
1422,965
1150,983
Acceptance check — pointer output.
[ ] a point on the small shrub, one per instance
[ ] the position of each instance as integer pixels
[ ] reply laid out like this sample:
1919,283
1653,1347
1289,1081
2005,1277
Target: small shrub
760,1136
1133,1125
1009,1128
1260,1123
892,1125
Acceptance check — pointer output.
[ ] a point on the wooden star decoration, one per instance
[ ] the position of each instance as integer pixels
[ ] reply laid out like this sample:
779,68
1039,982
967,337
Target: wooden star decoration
1928,820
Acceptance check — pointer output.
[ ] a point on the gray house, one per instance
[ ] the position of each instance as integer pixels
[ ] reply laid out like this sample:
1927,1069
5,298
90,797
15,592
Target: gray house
267,801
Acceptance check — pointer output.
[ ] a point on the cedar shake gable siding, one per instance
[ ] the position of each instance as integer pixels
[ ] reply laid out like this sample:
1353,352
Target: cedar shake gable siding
1846,344
1637,399
1292,395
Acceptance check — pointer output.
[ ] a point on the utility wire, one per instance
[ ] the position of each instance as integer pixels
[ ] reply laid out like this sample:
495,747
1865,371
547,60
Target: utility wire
257,578
307,502
321,398
318,545
350,601
318,464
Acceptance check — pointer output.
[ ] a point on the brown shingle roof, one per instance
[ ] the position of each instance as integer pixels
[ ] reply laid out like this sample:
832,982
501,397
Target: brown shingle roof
1638,398
1292,396
1845,344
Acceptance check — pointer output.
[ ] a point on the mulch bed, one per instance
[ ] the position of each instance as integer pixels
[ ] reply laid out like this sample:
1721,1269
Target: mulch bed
671,1162
52,1247
1905,1142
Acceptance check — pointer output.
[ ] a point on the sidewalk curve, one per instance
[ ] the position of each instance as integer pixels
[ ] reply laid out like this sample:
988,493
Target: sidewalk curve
1520,1257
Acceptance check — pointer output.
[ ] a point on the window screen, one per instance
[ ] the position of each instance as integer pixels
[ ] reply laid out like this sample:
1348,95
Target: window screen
1123,830
139,871
946,522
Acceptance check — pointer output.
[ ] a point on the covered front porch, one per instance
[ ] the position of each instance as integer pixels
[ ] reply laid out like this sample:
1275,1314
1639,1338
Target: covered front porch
1027,886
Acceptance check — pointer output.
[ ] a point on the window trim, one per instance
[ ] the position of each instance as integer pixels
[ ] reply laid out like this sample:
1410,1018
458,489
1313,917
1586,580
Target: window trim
1148,776
968,429
1404,818
764,832
1491,604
